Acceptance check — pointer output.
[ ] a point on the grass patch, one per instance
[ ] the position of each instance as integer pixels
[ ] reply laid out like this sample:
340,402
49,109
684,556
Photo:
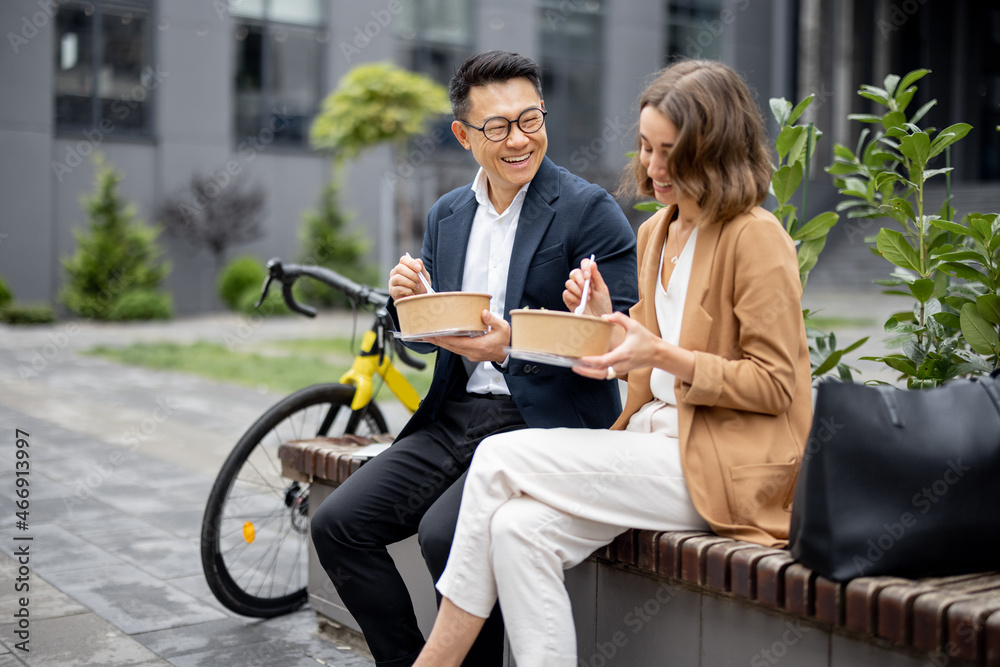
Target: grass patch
280,366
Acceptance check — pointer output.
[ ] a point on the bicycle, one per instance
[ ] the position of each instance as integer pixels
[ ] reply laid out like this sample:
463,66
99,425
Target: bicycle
255,530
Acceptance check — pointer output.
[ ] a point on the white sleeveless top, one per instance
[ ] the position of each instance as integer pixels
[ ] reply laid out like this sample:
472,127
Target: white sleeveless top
660,414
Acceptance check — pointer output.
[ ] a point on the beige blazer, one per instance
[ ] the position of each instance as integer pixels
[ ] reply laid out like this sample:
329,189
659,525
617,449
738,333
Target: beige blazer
745,417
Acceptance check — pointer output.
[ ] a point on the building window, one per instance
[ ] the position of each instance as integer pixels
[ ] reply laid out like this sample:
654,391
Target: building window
694,30
103,72
966,86
435,36
572,59
279,54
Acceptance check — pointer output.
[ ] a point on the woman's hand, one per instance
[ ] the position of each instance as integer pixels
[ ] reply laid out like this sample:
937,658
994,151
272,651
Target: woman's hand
404,279
599,300
635,346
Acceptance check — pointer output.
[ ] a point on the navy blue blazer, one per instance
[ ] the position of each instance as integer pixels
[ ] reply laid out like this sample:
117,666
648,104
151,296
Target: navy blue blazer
564,219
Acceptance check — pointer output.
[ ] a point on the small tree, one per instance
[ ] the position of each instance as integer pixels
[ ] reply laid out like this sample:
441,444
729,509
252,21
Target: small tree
377,103
373,104
951,270
214,214
326,242
115,258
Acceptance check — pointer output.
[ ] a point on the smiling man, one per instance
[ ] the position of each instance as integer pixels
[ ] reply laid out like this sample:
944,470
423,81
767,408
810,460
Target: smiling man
516,232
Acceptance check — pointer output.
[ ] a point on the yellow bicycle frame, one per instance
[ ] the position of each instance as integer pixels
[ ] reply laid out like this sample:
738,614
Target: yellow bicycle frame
365,367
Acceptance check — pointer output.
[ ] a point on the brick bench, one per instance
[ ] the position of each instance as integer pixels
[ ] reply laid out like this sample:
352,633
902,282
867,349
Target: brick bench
707,600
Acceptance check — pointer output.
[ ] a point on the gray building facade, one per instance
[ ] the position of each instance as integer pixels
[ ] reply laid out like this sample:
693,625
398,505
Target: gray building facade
168,88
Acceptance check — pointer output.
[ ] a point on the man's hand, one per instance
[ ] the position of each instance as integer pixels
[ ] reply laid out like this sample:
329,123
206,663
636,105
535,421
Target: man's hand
488,347
599,301
404,279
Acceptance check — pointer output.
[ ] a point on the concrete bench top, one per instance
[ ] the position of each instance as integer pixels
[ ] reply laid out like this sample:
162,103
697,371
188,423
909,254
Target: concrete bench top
956,618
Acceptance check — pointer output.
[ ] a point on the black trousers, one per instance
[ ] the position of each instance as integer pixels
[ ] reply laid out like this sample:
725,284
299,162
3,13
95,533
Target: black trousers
413,487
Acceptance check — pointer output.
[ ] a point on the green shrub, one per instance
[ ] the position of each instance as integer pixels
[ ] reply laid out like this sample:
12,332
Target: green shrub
240,276
114,256
20,313
6,298
141,305
950,270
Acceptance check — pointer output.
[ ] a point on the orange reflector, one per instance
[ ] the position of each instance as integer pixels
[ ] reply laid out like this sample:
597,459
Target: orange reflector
248,532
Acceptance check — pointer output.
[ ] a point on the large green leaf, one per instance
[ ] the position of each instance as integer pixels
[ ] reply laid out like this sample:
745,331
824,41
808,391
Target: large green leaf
890,82
981,227
786,139
875,94
922,289
843,152
903,98
893,119
808,253
979,334
783,212
988,306
652,206
916,147
903,209
894,247
786,181
960,256
799,108
949,226
965,272
912,78
829,363
864,117
930,173
950,320
841,168
900,364
893,326
797,152
878,156
948,136
780,108
818,227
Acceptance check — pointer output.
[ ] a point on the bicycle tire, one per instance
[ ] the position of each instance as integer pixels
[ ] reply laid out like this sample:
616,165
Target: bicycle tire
255,531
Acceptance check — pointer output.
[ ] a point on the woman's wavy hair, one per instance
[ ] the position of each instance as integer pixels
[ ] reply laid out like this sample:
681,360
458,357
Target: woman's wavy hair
721,158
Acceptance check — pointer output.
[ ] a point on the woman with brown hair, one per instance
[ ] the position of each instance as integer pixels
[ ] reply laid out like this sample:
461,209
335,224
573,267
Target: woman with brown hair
718,407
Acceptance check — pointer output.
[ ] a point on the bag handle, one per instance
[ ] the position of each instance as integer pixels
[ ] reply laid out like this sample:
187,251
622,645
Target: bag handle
990,385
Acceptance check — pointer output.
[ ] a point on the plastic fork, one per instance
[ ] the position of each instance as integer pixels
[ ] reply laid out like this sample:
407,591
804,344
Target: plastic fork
586,292
427,285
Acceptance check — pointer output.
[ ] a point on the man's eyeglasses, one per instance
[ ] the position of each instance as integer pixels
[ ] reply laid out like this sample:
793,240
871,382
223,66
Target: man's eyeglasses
498,127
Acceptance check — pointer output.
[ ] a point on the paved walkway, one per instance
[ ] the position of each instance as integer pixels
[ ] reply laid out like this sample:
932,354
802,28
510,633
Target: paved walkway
121,461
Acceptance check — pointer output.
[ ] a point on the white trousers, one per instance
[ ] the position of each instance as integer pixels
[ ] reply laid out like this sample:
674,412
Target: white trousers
537,501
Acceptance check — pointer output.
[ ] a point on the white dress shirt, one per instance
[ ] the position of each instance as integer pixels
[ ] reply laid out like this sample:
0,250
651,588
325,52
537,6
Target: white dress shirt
660,414
487,260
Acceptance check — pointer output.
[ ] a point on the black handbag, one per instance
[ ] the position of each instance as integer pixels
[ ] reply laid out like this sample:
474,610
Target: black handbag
897,482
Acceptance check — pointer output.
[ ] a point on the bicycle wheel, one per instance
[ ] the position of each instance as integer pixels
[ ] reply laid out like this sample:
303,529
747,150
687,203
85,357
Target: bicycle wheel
255,532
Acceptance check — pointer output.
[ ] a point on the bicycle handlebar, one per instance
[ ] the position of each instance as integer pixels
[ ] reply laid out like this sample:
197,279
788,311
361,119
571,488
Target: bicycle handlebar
287,274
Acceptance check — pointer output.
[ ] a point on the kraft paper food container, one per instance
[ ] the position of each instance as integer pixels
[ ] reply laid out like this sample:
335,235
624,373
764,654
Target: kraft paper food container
442,313
558,333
